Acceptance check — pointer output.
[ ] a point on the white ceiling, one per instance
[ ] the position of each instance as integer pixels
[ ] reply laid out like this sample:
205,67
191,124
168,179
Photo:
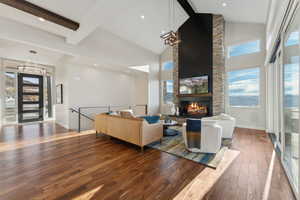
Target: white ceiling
19,51
122,18
249,11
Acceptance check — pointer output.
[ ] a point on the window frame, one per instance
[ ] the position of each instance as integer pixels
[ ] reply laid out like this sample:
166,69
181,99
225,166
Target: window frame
258,106
240,43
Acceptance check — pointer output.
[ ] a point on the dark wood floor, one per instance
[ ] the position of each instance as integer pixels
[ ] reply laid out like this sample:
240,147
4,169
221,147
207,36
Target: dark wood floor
247,177
88,168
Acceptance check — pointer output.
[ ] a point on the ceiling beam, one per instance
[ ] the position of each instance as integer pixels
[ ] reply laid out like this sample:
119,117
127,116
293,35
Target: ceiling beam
187,7
37,11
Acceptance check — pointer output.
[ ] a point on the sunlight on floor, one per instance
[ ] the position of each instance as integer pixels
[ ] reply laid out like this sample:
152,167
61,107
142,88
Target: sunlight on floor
88,195
269,177
9,146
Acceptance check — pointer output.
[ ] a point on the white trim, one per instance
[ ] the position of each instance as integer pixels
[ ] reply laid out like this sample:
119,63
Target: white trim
251,127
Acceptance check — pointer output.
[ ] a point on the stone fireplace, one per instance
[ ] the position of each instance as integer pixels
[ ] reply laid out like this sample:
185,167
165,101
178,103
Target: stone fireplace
213,103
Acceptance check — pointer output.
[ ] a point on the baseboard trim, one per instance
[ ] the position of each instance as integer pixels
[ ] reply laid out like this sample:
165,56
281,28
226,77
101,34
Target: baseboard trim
66,126
251,127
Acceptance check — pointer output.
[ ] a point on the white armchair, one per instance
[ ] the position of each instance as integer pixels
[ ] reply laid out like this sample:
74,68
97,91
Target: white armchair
226,122
210,140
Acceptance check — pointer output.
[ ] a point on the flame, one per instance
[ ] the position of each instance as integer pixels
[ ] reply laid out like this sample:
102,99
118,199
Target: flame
196,108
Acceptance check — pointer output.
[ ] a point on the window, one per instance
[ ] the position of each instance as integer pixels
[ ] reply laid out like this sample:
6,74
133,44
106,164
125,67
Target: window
168,66
168,91
293,39
10,100
244,87
245,48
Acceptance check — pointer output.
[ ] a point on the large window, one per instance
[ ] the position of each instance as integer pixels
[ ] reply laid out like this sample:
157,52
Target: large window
168,91
168,66
293,39
290,107
244,87
10,97
245,48
167,82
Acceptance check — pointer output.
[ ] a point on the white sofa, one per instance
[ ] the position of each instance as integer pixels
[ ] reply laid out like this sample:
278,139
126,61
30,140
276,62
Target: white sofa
211,137
226,122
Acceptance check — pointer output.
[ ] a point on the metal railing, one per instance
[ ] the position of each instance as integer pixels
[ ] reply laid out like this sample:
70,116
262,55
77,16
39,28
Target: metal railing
82,114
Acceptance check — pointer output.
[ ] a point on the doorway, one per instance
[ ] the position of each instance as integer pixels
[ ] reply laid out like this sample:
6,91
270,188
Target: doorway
30,98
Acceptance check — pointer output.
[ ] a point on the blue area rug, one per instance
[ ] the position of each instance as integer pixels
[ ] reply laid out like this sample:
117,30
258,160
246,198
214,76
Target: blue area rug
175,145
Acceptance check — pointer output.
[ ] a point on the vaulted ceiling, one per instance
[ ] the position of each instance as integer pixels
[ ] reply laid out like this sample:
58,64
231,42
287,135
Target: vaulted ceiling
136,21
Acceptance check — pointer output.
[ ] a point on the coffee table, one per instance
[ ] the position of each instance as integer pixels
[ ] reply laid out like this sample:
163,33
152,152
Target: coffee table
170,132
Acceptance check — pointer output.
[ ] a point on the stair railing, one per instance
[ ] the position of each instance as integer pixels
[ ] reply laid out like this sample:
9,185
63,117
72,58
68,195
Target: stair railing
80,112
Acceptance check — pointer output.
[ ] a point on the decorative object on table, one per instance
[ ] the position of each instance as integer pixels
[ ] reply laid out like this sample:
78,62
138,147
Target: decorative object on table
170,131
169,109
177,110
171,38
59,94
202,136
175,145
226,122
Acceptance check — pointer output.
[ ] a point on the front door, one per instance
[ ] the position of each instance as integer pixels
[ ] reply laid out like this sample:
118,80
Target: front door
30,98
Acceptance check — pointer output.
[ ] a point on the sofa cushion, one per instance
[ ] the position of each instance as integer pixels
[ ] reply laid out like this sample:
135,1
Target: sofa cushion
126,113
193,125
151,119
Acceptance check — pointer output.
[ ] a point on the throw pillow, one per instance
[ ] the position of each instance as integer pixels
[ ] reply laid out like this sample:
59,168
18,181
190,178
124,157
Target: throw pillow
151,119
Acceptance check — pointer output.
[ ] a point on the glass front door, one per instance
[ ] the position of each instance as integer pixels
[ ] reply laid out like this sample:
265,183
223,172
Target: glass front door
30,98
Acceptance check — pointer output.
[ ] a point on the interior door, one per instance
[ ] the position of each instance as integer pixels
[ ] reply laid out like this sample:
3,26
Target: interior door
30,98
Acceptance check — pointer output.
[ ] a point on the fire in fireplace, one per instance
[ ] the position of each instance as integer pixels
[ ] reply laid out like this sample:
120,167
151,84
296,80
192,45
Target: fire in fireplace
195,108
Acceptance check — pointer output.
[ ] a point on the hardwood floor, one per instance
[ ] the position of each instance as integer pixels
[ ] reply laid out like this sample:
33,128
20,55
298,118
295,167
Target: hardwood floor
66,169
246,178
86,167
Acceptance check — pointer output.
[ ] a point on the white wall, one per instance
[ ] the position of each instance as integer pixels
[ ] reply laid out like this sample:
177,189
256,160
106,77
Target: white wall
86,86
237,33
62,110
140,88
153,92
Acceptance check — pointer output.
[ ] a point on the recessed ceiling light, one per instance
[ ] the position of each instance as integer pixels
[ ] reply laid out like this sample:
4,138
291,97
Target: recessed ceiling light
95,65
142,16
41,19
224,4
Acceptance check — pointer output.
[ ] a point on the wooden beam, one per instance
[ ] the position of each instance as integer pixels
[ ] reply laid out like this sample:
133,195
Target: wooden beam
187,7
42,13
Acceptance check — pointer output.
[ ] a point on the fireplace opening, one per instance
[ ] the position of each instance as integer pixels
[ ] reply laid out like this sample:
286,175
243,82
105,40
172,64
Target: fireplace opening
194,109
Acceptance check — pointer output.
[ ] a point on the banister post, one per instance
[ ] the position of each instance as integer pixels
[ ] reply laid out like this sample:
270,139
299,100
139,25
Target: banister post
79,120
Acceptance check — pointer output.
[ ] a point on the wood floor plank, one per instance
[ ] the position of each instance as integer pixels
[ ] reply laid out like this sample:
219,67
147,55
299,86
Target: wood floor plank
45,161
